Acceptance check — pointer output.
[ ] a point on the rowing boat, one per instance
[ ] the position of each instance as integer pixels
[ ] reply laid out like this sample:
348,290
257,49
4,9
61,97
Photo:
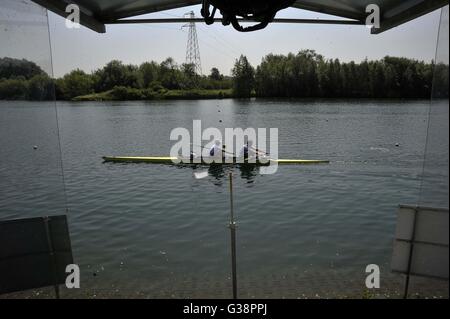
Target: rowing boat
175,160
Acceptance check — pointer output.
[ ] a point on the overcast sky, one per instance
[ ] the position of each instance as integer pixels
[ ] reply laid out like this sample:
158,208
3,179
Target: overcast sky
220,46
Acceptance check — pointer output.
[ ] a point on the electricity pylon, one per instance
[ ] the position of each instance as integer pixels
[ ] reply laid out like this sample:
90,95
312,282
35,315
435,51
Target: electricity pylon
193,50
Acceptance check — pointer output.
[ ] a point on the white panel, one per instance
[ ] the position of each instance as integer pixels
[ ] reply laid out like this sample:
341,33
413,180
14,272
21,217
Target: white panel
405,222
432,227
430,255
428,260
400,255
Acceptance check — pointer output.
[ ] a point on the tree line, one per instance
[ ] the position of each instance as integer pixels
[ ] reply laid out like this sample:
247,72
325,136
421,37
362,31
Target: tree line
22,79
308,74
305,74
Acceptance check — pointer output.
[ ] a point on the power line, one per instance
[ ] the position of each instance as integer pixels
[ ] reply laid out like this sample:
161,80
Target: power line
224,44
221,41
219,51
169,14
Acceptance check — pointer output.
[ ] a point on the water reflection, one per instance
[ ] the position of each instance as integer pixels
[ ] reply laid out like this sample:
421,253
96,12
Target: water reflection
219,173
249,172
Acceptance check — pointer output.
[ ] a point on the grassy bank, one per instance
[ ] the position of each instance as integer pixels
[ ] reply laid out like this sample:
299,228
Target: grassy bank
123,94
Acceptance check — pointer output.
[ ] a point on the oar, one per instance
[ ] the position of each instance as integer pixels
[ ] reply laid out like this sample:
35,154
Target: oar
264,153
203,147
259,151
255,149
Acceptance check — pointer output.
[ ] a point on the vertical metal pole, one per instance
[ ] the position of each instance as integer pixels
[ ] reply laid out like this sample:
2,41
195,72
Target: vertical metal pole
233,240
410,257
52,256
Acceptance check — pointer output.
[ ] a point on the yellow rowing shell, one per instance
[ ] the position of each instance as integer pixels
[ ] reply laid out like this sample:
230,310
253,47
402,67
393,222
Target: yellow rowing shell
176,160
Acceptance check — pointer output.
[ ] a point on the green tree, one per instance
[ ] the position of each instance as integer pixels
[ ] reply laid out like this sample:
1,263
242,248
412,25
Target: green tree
13,89
189,77
15,68
377,79
73,84
170,75
148,72
441,74
115,73
41,87
215,75
243,77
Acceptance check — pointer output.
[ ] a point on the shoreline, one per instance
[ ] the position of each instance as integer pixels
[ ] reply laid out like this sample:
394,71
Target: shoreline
146,95
286,286
97,97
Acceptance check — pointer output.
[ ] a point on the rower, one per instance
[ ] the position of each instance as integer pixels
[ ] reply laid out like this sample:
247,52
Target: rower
216,150
248,150
223,153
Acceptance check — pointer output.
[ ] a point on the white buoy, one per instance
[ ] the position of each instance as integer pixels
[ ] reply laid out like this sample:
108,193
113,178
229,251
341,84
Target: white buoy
35,147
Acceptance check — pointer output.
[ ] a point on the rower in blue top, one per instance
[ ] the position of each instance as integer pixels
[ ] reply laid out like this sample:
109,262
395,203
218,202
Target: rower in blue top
248,150
216,150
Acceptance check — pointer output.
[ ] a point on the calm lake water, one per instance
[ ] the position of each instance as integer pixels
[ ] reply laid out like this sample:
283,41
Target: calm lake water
156,230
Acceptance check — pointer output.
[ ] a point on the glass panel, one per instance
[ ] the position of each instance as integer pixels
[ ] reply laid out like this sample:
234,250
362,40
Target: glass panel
434,191
31,181
435,178
31,175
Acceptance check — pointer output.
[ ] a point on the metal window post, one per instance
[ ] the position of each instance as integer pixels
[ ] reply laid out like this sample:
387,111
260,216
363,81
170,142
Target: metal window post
232,227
